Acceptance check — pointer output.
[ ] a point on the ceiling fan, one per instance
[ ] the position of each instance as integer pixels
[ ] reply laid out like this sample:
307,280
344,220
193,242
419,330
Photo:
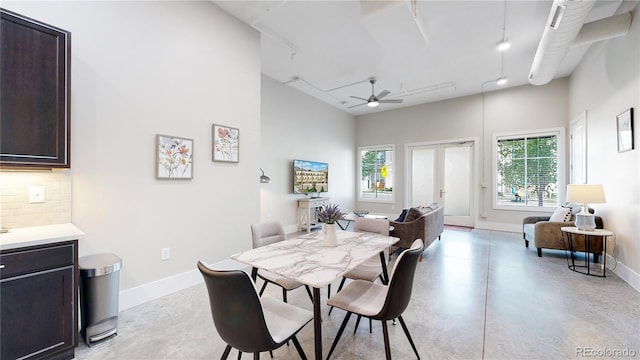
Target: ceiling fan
373,100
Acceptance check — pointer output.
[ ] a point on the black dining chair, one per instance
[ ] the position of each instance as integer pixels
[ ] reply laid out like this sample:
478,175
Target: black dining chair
247,322
267,233
381,302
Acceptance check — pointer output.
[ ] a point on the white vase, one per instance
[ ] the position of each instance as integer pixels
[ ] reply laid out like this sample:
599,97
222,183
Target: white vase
329,235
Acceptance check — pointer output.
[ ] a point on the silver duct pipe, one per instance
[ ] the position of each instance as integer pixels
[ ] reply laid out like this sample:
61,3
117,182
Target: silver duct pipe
564,23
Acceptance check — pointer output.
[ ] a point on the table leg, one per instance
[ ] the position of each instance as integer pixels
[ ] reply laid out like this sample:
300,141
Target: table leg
317,323
254,274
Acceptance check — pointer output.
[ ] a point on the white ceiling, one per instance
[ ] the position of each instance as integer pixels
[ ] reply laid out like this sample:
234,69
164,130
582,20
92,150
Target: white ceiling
330,49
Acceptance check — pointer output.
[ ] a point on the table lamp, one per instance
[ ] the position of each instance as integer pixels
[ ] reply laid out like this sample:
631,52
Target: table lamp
585,194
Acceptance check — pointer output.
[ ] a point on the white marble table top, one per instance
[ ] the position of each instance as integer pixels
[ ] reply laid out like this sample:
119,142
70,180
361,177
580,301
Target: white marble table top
306,260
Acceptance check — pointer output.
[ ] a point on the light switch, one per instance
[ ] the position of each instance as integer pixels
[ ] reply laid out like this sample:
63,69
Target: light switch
36,194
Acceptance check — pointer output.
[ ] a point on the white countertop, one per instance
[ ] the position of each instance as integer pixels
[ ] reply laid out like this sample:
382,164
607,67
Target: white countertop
39,235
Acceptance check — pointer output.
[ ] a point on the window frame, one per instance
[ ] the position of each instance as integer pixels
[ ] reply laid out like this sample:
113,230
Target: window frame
561,170
385,147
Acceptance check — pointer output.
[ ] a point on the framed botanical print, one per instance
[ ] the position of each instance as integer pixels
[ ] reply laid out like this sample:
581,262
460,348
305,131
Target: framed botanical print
174,157
226,143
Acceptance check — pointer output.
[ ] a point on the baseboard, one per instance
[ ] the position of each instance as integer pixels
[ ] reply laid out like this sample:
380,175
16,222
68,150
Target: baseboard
488,225
624,272
163,287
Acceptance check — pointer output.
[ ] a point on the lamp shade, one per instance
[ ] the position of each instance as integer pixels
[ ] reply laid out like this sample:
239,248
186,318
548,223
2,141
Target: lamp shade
585,193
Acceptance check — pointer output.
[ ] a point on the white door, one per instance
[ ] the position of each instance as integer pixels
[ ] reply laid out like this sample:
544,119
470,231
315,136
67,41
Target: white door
443,173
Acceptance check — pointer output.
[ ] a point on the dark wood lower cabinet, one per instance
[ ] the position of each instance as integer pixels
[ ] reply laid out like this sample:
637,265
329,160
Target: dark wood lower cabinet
38,308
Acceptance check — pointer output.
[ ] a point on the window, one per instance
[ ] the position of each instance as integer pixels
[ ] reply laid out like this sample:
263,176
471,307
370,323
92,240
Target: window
376,173
528,170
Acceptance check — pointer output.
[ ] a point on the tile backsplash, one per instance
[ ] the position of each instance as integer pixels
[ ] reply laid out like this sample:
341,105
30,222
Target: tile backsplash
15,208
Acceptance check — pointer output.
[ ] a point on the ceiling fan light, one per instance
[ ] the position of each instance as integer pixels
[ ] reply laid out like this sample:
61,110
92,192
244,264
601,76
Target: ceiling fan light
372,104
503,46
503,80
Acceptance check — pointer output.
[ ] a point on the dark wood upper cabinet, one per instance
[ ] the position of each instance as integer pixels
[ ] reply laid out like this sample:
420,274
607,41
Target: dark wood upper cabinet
35,93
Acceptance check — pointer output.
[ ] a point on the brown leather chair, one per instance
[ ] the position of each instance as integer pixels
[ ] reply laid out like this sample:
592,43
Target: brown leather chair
381,302
245,321
546,234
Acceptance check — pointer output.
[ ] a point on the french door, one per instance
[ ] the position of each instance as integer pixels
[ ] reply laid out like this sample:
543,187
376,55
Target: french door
442,173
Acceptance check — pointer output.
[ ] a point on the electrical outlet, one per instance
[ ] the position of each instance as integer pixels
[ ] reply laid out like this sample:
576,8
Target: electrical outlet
36,194
165,253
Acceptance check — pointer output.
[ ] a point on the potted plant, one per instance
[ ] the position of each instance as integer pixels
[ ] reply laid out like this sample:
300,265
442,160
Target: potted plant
329,215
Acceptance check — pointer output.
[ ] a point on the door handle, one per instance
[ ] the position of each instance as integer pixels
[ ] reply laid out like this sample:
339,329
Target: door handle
442,192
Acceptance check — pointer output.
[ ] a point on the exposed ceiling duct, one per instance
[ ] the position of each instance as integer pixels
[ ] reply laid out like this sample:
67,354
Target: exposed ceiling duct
566,28
604,29
564,23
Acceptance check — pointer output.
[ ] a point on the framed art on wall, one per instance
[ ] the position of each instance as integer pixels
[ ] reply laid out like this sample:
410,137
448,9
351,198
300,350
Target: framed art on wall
174,157
226,143
625,130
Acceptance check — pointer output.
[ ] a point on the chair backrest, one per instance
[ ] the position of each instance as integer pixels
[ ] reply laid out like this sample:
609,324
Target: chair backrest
380,226
401,282
267,233
236,310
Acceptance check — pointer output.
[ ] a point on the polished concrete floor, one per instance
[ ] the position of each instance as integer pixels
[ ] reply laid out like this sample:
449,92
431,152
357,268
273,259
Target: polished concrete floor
477,295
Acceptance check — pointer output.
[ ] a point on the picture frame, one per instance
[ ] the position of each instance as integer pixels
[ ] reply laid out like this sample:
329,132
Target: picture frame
174,157
624,123
225,143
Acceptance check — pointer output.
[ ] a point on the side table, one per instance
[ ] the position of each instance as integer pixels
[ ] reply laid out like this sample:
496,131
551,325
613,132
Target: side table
568,233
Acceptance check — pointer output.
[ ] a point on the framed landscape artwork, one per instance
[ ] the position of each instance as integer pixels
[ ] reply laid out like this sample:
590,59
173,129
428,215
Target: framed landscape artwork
226,143
625,130
174,157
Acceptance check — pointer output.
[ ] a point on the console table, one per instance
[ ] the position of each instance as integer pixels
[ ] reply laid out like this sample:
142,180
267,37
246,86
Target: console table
307,218
568,232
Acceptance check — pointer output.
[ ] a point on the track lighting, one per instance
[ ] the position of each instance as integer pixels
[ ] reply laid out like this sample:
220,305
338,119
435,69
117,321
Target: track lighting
503,80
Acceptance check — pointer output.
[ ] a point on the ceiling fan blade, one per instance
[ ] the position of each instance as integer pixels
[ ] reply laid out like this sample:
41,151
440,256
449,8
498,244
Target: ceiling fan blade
383,94
359,98
356,105
391,101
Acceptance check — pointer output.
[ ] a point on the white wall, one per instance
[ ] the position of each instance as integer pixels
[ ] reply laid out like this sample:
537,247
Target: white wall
606,83
297,126
146,68
515,109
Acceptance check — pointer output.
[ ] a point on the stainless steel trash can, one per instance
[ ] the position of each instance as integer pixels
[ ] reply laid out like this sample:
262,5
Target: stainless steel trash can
99,290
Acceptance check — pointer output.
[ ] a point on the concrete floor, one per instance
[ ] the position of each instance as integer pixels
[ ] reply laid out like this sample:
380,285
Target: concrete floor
477,295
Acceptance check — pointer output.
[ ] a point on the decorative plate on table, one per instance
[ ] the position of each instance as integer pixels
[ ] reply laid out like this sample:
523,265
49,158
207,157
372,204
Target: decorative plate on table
360,213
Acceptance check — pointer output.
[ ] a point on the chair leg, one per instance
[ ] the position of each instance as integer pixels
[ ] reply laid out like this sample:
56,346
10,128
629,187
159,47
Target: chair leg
370,325
328,291
256,356
335,342
539,252
406,332
385,333
239,354
284,294
263,286
309,293
526,243
299,348
226,352
357,323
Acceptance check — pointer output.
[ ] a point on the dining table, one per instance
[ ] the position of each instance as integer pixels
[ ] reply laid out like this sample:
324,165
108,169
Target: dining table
305,259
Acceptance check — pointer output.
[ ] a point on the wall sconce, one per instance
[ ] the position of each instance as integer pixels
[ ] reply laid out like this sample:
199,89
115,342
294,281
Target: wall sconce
264,179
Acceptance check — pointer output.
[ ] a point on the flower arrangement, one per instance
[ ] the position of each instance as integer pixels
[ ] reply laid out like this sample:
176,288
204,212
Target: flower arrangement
330,214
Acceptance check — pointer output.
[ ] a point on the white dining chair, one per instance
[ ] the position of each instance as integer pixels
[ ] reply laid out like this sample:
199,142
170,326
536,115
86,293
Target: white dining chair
267,233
